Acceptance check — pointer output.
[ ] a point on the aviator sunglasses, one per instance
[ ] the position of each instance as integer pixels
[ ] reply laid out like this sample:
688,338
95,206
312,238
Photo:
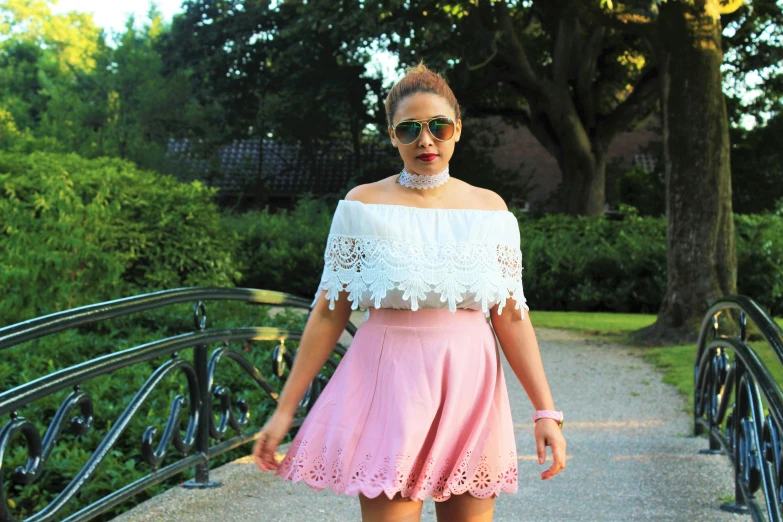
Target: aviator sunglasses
441,127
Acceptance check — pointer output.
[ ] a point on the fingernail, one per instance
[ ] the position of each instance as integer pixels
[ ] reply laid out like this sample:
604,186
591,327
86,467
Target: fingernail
540,460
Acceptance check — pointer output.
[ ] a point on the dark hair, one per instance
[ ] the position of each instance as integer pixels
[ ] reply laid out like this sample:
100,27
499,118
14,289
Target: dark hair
418,79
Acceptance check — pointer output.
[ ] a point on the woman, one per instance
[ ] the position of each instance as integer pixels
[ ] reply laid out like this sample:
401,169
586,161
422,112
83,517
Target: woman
418,406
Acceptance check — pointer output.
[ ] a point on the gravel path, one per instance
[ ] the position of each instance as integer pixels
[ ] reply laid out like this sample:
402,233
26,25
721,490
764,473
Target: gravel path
629,456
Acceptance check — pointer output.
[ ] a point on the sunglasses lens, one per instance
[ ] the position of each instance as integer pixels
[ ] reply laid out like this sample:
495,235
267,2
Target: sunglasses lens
407,131
442,128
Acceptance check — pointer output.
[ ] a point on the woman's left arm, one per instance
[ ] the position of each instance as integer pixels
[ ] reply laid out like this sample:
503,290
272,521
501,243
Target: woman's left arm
519,344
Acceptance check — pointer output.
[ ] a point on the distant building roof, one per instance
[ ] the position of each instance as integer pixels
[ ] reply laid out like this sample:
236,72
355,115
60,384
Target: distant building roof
282,166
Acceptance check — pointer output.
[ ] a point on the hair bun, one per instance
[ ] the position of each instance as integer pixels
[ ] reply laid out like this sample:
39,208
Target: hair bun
419,78
418,69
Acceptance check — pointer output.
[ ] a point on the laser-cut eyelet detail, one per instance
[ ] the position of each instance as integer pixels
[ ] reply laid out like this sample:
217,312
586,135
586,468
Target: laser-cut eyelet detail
410,476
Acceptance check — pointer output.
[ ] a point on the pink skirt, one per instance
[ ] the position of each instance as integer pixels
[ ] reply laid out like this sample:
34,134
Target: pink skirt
418,405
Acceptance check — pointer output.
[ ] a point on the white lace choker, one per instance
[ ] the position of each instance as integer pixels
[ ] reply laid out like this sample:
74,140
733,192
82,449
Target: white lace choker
423,181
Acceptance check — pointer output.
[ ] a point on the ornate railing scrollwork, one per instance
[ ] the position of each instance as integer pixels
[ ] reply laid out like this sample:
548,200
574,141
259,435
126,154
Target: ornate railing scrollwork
38,450
197,404
226,415
751,437
172,434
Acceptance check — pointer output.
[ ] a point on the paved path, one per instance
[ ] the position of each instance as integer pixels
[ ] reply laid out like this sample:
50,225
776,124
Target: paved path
629,456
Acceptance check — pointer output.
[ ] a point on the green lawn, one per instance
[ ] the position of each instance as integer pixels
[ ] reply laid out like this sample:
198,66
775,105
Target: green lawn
675,362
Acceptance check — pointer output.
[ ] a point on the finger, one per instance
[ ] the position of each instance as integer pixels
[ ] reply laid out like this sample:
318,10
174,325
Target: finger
272,465
553,470
258,446
268,454
259,453
559,454
556,467
260,464
541,449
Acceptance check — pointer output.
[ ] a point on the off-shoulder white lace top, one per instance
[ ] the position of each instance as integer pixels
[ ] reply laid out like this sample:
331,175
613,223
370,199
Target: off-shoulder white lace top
396,256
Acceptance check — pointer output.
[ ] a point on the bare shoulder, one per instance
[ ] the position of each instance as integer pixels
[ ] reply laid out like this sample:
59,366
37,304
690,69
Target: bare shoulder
487,199
494,201
370,192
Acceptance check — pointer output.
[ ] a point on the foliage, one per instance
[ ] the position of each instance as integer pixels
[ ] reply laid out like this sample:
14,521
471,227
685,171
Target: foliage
574,83
594,264
77,231
756,173
294,71
73,35
759,258
643,190
570,263
67,90
282,250
752,60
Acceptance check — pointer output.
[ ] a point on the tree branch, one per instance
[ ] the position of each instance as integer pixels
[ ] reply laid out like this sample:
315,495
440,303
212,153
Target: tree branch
483,110
518,58
593,13
543,132
584,78
494,50
563,52
634,107
536,127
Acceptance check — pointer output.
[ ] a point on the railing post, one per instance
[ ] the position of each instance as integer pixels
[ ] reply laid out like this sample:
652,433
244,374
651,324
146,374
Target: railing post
739,497
739,505
200,362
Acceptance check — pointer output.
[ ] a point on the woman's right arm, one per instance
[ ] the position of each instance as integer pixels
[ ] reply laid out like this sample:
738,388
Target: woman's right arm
320,336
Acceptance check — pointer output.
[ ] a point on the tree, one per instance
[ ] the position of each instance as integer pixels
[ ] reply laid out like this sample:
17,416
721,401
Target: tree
295,71
573,82
702,263
63,84
541,62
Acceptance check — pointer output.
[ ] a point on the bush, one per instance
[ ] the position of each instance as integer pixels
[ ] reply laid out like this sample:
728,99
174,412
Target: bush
283,251
570,263
77,231
594,264
760,258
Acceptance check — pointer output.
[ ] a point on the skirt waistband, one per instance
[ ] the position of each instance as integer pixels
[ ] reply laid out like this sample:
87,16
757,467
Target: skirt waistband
425,316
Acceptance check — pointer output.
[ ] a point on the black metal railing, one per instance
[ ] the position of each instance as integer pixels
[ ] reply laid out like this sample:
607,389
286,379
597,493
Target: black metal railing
750,438
204,434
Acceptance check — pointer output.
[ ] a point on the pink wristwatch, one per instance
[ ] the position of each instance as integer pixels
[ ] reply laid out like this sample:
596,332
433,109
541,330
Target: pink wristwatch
549,414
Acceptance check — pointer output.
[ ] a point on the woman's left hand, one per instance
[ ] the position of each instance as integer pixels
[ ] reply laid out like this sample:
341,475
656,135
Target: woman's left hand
548,433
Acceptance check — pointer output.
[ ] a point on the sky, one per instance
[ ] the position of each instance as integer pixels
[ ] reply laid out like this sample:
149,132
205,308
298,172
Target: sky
111,15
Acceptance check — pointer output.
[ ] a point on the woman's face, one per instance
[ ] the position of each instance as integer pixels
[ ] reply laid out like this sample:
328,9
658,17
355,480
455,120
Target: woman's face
423,106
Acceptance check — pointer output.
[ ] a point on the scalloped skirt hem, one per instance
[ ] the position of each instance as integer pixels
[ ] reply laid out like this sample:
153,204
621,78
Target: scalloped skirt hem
390,494
418,405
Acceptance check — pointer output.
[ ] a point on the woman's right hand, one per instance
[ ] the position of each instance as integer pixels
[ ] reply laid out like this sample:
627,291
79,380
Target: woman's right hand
268,439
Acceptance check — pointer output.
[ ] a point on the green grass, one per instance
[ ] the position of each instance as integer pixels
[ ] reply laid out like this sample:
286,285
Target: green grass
675,362
596,323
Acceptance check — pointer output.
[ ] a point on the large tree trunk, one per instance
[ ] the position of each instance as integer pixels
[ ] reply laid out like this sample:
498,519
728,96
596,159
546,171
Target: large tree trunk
583,189
702,263
582,160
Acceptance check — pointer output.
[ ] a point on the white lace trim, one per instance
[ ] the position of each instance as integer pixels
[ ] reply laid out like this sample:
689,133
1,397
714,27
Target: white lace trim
460,272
